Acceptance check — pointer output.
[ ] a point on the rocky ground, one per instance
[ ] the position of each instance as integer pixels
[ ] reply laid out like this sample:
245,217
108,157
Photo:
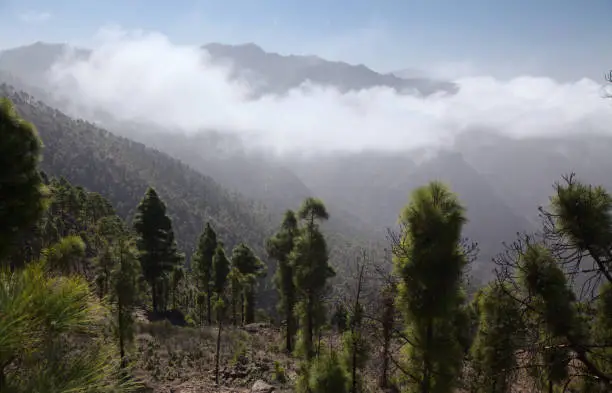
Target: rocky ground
174,359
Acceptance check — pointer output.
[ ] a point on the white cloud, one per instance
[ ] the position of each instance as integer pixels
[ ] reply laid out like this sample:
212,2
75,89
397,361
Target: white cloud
34,16
144,75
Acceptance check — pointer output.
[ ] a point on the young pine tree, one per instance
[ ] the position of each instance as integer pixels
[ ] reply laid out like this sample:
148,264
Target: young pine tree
220,269
156,245
555,307
430,262
250,268
309,261
109,230
325,374
124,296
202,265
497,340
279,247
22,195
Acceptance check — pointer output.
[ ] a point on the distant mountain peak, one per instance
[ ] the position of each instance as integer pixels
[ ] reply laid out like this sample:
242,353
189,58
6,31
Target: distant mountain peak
277,73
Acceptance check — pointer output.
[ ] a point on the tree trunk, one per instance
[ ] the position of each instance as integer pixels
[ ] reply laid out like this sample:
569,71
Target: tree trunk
218,348
208,309
234,312
250,306
354,367
426,383
290,322
289,336
551,386
174,298
387,326
120,328
309,328
242,316
154,295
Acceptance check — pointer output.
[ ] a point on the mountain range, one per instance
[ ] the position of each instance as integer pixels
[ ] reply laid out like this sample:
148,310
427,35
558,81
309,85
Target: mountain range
501,180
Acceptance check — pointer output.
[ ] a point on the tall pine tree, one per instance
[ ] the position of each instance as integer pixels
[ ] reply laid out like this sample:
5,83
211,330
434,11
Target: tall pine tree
202,266
311,270
250,268
21,189
124,279
221,270
279,247
430,261
156,244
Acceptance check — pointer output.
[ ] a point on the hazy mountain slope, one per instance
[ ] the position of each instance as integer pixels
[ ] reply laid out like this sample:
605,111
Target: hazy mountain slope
274,73
31,63
121,170
223,157
377,187
523,170
490,220
359,181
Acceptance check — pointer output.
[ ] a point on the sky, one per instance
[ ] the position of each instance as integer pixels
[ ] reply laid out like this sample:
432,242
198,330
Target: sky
524,68
563,39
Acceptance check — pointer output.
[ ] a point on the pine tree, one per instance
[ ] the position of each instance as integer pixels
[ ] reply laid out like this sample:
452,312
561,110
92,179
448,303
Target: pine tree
279,247
583,214
309,260
430,261
109,230
124,296
22,194
250,268
65,256
554,276
555,305
325,374
236,279
156,245
177,276
221,269
202,264
497,341
39,311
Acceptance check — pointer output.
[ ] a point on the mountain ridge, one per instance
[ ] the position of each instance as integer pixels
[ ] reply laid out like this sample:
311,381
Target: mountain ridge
267,72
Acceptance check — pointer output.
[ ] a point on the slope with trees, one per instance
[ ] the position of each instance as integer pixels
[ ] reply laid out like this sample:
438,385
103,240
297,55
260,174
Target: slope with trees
122,170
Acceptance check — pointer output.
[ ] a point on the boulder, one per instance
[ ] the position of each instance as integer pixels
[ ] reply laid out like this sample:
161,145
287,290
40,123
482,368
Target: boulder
261,387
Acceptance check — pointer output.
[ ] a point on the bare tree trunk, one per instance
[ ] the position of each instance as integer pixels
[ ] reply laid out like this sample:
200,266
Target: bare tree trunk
309,329
208,309
355,326
289,316
250,306
234,313
242,316
154,295
387,329
121,341
218,348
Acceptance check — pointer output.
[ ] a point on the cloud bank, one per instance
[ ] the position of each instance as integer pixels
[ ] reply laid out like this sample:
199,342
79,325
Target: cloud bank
143,75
